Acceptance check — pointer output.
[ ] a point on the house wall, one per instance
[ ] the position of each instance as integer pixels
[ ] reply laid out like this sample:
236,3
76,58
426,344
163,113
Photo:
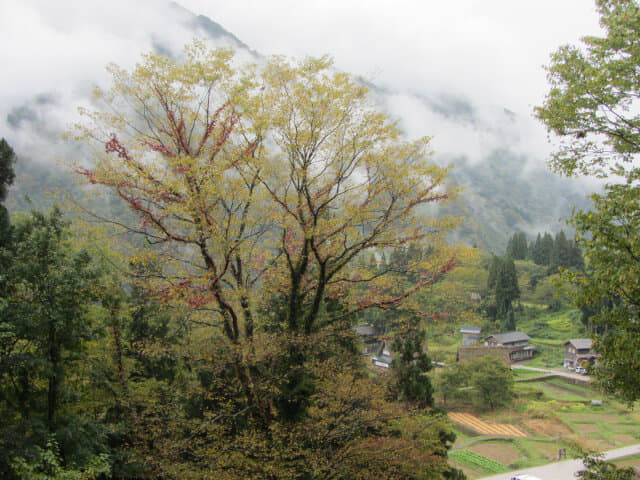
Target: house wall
569,355
469,339
517,355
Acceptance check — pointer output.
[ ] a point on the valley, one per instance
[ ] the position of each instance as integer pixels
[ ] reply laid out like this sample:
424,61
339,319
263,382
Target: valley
225,253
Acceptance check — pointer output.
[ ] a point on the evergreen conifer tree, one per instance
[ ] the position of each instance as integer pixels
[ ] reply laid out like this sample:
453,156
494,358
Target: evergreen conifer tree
410,367
517,247
546,249
560,255
507,289
508,323
494,267
535,250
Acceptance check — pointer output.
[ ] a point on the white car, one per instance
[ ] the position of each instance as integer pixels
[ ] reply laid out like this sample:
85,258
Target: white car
524,477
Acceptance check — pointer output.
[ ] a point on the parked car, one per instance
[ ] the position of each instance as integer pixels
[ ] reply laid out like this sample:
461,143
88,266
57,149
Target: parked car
524,477
581,370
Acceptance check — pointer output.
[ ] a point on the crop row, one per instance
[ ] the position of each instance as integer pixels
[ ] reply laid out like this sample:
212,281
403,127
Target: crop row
485,428
477,461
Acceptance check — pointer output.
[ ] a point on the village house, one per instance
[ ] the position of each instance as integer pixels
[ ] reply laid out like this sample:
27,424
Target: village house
470,335
369,335
383,357
517,342
578,351
373,346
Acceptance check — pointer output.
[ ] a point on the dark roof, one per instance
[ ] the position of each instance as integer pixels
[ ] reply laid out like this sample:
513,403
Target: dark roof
580,343
510,337
476,330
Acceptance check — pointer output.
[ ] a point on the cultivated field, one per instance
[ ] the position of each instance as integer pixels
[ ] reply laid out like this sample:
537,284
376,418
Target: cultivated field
548,415
484,428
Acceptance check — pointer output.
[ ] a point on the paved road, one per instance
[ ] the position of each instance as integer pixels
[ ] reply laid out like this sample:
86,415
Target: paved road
561,372
566,469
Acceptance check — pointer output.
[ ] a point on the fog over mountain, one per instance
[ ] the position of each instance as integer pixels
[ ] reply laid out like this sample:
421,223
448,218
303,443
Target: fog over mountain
477,106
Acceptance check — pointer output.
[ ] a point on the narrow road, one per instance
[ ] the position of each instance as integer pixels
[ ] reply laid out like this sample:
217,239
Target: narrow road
561,372
566,469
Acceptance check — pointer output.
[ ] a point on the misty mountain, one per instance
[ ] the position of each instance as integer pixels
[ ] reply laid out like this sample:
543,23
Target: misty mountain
499,200
506,185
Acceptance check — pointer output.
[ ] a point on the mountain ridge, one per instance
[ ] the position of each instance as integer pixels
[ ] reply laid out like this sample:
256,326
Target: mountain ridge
502,194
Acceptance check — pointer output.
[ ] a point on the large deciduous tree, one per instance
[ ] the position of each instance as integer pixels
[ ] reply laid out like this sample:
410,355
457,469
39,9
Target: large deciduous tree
486,382
492,382
271,181
593,108
261,191
598,469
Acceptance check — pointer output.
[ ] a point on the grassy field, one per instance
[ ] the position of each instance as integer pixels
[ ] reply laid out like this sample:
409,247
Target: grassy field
630,461
521,374
560,390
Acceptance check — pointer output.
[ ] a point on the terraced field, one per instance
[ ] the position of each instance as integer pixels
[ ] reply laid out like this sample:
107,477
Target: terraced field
485,428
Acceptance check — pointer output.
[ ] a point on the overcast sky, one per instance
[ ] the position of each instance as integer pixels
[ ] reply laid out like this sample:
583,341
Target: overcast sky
489,53
492,48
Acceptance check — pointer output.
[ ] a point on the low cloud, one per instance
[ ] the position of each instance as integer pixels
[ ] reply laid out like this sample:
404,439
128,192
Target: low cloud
59,54
466,73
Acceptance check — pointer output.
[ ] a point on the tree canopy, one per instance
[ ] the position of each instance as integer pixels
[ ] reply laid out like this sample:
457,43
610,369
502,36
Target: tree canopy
486,382
262,192
270,179
592,108
46,291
